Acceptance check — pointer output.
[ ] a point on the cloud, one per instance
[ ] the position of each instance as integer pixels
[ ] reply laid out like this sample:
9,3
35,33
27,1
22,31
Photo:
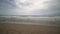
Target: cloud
53,8
29,7
6,4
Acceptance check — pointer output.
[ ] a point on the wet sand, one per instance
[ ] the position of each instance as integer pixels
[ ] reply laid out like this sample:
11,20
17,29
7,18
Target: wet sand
28,29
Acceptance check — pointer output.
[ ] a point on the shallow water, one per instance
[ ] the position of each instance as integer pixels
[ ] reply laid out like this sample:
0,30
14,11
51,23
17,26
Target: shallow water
51,21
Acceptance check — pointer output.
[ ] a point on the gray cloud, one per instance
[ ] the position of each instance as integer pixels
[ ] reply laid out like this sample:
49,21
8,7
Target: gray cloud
9,7
7,4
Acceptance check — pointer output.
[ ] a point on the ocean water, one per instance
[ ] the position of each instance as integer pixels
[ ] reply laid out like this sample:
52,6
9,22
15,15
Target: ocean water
50,21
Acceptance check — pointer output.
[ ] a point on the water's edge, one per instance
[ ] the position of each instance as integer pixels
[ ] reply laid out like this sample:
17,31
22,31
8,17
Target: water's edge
51,21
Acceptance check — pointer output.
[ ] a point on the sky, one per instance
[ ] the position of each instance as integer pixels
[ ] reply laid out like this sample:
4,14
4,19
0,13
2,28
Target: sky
29,7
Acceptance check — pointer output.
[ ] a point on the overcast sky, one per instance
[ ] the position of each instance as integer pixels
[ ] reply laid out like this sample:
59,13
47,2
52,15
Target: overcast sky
29,7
